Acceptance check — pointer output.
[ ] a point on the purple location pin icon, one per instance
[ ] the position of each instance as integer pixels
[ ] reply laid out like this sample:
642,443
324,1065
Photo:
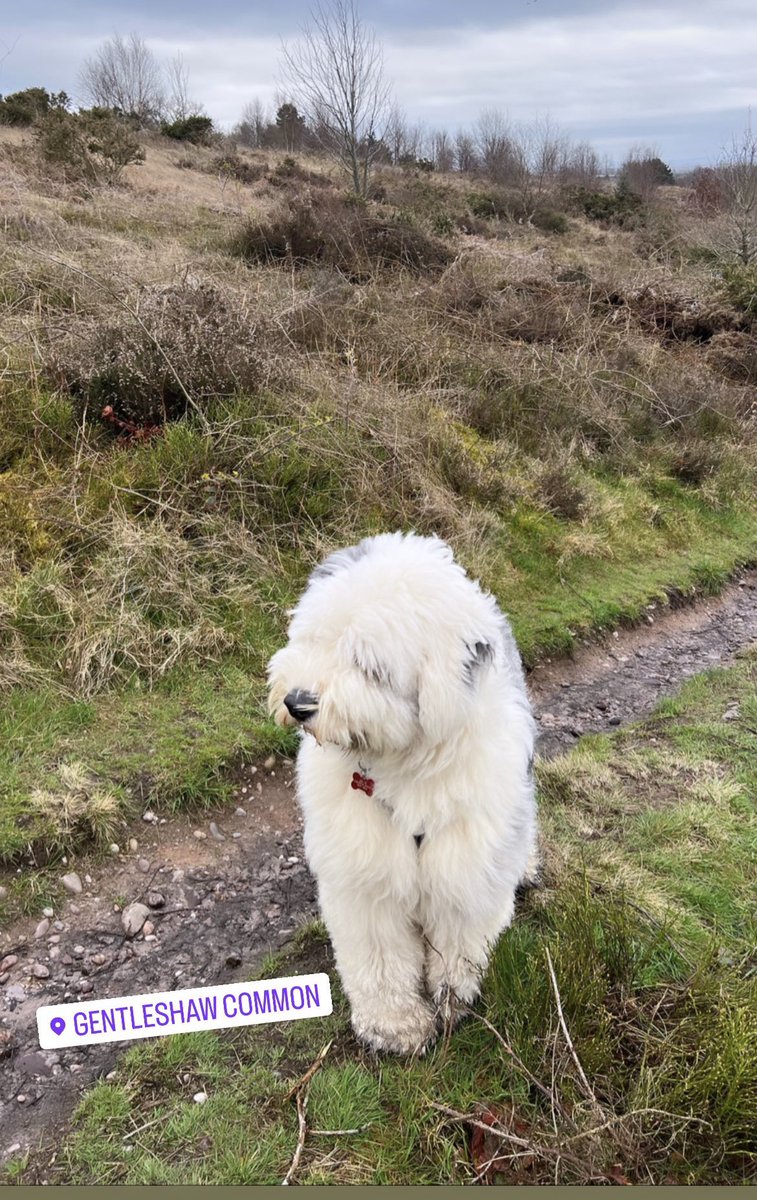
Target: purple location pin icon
57,1025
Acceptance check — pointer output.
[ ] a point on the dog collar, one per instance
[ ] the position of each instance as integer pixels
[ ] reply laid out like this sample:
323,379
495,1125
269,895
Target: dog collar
361,783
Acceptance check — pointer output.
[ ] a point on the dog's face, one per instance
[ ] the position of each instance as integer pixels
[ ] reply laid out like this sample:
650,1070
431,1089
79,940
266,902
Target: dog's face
382,655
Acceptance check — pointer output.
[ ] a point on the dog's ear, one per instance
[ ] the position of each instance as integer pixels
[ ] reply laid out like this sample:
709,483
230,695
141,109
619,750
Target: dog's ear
339,561
447,687
478,656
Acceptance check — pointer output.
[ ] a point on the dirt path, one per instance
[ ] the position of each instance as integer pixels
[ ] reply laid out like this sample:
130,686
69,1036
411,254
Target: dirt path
222,893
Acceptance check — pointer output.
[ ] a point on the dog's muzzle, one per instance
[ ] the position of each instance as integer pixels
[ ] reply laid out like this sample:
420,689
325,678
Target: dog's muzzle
300,705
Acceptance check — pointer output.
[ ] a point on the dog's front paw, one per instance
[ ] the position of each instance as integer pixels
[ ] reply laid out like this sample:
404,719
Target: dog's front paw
408,1029
454,983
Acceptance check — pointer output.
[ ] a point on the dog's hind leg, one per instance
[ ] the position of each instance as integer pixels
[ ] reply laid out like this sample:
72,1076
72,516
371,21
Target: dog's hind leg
379,955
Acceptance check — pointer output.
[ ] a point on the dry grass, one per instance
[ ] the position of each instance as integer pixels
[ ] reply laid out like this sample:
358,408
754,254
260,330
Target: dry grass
78,809
542,401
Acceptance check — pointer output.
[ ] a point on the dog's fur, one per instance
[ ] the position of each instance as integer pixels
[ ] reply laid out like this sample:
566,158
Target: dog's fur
419,688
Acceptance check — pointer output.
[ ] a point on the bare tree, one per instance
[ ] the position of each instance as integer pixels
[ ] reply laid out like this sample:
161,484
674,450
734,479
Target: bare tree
396,133
124,74
581,166
498,153
252,125
737,174
466,159
442,151
644,171
179,106
335,71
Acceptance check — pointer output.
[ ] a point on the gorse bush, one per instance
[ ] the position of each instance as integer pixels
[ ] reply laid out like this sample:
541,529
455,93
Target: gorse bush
184,346
740,288
623,209
93,145
24,108
195,129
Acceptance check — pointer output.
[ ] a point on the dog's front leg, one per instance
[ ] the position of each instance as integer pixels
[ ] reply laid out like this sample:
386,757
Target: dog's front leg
465,907
379,955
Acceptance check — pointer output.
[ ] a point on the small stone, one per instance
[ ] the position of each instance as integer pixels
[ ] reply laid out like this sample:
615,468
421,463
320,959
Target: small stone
614,721
86,986
59,926
200,834
114,848
155,899
151,937
200,1097
53,939
3,893
4,976
149,816
236,835
143,865
87,878
54,952
78,952
148,928
269,763
9,961
134,917
40,971
241,812
98,959
48,912
42,928
133,844
72,883
215,832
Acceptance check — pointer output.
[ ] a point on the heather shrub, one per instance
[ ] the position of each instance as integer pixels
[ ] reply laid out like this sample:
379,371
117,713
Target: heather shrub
329,230
734,355
549,221
232,166
190,343
289,171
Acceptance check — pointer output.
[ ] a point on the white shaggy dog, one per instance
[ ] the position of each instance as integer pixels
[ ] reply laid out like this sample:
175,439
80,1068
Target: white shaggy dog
416,784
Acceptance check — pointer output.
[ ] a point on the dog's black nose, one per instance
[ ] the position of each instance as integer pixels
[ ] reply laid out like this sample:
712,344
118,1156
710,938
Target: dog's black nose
300,704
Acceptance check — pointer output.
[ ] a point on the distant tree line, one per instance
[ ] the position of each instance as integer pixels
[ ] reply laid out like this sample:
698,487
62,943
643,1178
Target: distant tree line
337,102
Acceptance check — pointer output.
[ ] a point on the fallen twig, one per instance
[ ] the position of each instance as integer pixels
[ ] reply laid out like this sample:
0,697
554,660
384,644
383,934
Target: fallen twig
302,1108
339,1132
525,1147
300,1090
148,1125
314,1066
545,1091
563,1024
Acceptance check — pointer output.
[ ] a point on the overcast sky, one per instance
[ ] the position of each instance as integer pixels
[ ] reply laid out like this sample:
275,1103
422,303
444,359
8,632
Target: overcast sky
680,76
